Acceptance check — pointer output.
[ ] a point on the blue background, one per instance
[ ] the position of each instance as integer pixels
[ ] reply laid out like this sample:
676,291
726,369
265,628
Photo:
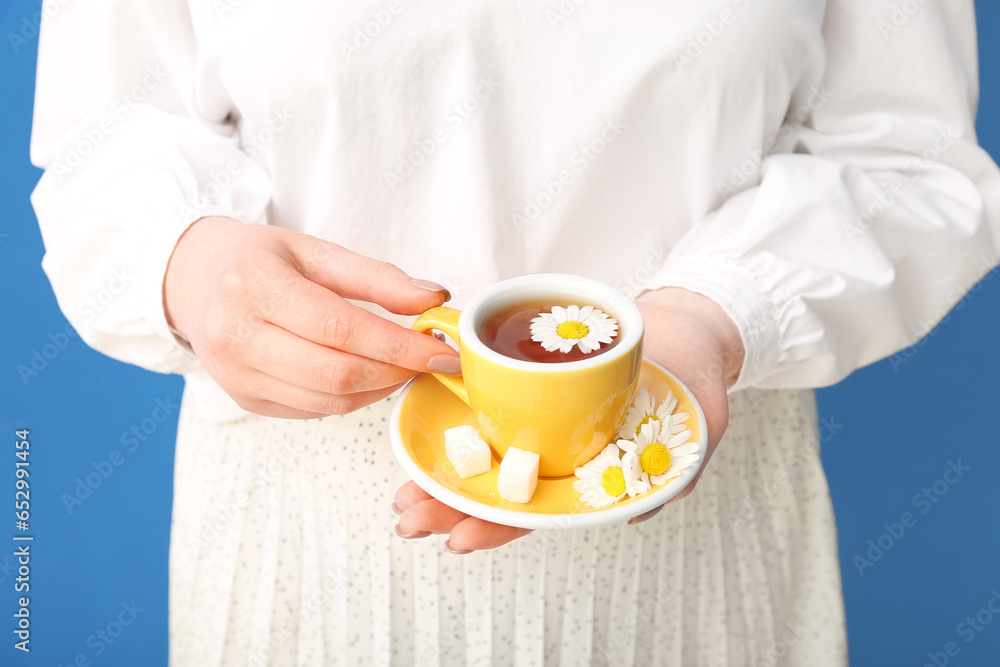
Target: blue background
899,424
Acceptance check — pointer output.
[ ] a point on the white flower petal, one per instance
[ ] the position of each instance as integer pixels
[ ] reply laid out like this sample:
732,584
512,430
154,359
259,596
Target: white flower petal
690,447
552,343
649,403
665,422
650,432
669,403
610,453
605,329
684,461
640,486
628,429
678,439
599,500
591,467
599,321
626,445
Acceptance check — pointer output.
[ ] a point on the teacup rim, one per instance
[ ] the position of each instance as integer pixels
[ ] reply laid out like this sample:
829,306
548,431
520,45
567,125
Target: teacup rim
632,336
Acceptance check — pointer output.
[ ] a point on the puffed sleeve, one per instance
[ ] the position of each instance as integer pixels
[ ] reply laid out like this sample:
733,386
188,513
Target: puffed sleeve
853,244
132,156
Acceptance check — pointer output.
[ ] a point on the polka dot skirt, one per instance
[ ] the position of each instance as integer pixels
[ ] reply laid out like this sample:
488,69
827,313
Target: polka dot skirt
283,554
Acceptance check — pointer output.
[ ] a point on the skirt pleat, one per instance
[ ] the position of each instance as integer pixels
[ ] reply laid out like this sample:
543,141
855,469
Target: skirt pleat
283,555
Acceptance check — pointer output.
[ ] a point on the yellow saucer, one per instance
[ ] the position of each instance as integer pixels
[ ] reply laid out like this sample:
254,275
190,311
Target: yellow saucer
425,409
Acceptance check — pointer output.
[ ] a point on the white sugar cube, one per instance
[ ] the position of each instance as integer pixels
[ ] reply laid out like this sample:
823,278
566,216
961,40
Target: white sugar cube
518,475
467,451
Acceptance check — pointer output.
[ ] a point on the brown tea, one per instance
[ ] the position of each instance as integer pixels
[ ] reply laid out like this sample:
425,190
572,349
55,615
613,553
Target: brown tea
508,331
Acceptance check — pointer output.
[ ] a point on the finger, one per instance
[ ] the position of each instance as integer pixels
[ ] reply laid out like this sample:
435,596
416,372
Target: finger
315,313
303,363
408,495
473,534
257,390
409,536
645,516
430,516
355,276
278,411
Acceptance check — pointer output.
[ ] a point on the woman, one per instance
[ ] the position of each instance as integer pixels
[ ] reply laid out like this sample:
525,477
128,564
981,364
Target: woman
790,190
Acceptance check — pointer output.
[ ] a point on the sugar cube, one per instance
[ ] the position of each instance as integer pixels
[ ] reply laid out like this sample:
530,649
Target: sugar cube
518,475
467,451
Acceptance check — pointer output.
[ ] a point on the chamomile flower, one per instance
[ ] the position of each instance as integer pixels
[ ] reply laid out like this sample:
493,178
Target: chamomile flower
661,456
564,328
606,479
644,410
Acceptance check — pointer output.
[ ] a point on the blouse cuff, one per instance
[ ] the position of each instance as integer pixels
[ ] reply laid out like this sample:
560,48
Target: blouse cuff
156,253
754,315
157,250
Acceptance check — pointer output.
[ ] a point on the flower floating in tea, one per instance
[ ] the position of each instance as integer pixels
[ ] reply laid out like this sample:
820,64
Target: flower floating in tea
564,328
645,411
661,456
606,479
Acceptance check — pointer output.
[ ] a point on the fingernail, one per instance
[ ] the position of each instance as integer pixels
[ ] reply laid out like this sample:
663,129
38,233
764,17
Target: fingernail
457,552
409,536
446,364
395,509
431,287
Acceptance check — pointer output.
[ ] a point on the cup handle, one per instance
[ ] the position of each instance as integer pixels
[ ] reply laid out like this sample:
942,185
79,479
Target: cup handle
445,319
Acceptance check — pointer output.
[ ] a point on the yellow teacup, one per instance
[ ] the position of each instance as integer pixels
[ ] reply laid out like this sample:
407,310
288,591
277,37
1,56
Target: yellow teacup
566,412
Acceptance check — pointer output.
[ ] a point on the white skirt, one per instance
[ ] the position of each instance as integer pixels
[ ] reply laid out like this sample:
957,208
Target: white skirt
283,554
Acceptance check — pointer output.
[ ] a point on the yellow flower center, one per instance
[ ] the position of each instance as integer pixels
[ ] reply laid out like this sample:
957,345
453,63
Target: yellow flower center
613,481
572,329
645,420
655,459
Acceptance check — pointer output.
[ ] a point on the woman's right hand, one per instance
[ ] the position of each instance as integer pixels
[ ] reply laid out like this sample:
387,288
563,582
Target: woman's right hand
266,311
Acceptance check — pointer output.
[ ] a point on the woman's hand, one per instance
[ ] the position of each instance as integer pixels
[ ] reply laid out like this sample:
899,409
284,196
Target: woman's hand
266,311
686,333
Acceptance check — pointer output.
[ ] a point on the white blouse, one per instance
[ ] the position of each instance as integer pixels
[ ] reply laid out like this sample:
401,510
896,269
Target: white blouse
811,165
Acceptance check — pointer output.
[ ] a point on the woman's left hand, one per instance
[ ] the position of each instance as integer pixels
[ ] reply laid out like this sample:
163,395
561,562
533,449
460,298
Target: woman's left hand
686,333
